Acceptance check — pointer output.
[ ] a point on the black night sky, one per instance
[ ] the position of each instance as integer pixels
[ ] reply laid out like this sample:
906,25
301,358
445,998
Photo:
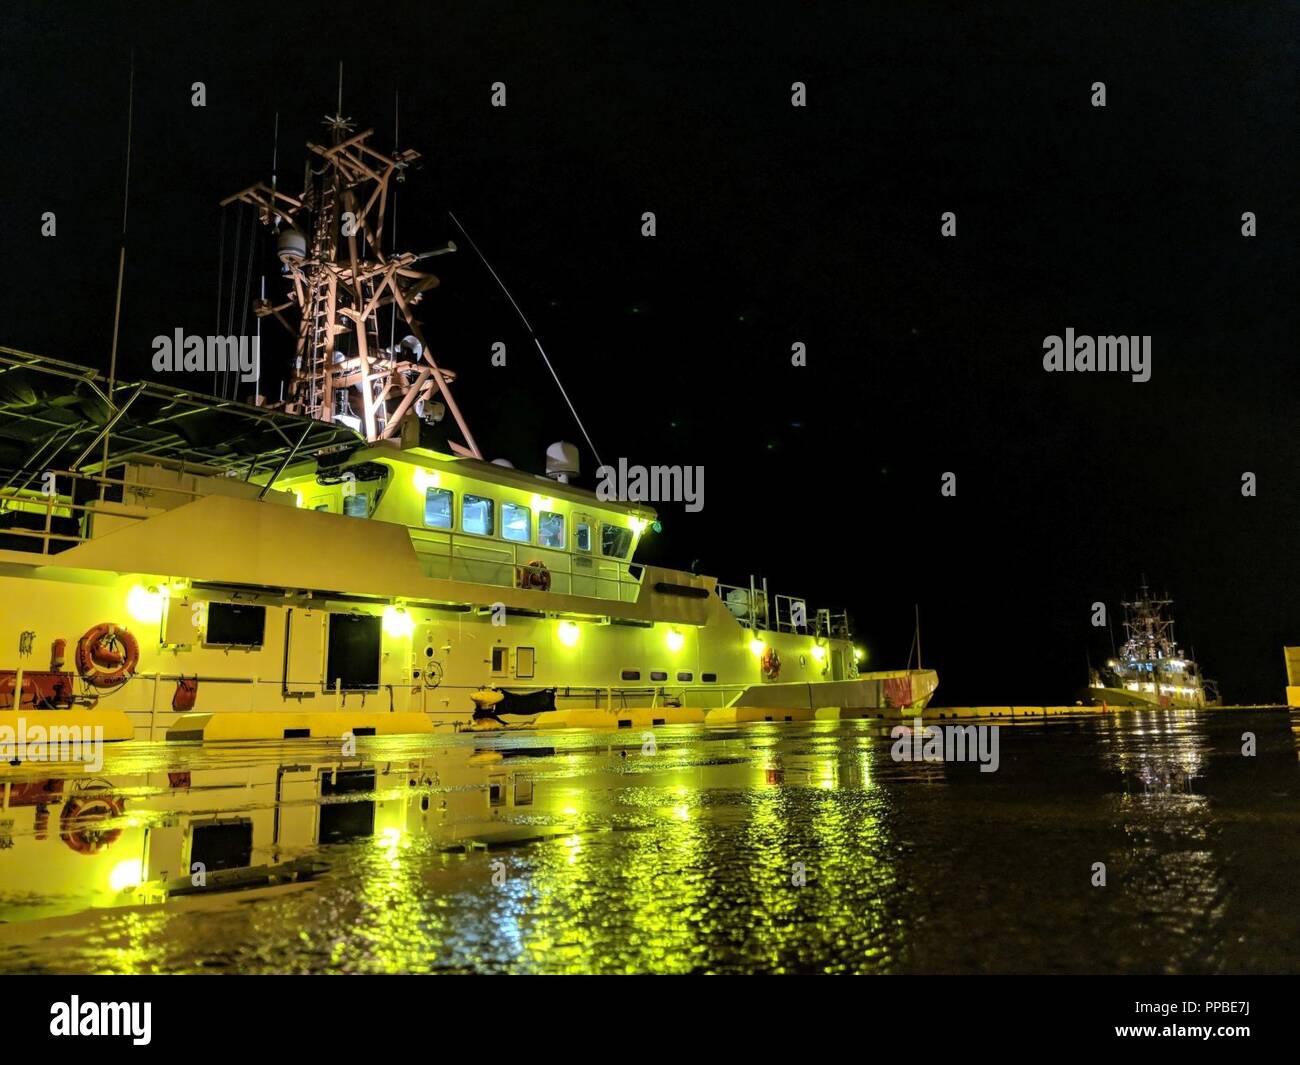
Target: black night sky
776,224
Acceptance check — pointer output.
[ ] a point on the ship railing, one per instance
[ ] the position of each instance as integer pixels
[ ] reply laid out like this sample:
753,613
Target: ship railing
752,606
59,522
451,556
74,519
146,697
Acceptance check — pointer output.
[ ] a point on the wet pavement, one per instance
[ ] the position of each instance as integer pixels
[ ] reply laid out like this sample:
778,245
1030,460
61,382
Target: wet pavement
764,848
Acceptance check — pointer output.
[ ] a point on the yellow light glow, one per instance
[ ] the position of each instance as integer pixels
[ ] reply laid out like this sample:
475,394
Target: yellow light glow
297,499
389,838
568,633
145,604
397,622
819,652
757,646
542,502
125,875
675,640
638,525
859,653
425,479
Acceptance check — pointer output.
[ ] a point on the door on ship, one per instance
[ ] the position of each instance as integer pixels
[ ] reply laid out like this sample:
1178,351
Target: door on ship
837,665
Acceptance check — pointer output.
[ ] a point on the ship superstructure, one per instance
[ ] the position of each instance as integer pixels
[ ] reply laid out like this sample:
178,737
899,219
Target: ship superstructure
180,557
1150,668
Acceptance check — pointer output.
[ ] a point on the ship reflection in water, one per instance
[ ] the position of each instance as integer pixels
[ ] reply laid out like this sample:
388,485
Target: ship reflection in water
776,848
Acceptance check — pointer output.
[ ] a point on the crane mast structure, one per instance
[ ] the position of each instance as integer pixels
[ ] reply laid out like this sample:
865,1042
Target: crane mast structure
329,242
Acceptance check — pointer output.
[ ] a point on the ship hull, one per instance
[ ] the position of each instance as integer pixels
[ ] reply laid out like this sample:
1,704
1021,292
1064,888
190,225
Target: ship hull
1124,697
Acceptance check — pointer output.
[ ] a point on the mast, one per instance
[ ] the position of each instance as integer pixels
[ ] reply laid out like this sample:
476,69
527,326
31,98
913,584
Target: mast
341,280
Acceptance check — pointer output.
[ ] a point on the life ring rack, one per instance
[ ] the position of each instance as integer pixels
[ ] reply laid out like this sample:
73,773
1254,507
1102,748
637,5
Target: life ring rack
80,818
107,655
534,574
771,663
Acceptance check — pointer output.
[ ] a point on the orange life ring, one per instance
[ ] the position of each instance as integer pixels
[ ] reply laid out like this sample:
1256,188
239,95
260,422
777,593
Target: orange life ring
81,815
107,655
535,575
771,663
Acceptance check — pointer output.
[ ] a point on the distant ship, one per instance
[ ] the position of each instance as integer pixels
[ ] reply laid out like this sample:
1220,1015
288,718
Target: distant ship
1150,668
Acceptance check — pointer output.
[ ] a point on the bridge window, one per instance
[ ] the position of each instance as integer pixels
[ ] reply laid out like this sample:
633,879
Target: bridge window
437,508
582,536
615,540
356,505
476,515
550,529
516,523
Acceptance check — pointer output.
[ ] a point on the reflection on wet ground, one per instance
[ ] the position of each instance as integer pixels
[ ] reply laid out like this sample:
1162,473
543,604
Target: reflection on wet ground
769,848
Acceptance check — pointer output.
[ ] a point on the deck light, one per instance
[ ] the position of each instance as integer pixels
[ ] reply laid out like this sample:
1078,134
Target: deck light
397,622
859,654
126,875
425,479
638,525
818,652
568,633
675,640
145,604
757,646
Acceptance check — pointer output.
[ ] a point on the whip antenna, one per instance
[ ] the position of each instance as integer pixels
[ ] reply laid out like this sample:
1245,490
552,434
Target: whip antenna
532,334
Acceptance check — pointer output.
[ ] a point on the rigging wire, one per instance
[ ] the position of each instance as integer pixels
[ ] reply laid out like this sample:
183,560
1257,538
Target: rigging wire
392,317
121,270
248,286
221,273
528,326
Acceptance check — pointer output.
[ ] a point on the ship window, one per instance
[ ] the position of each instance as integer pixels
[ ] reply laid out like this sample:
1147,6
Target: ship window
709,678
235,625
476,515
658,674
582,536
550,529
687,677
500,660
356,505
353,655
437,508
615,540
222,845
346,819
631,674
516,523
